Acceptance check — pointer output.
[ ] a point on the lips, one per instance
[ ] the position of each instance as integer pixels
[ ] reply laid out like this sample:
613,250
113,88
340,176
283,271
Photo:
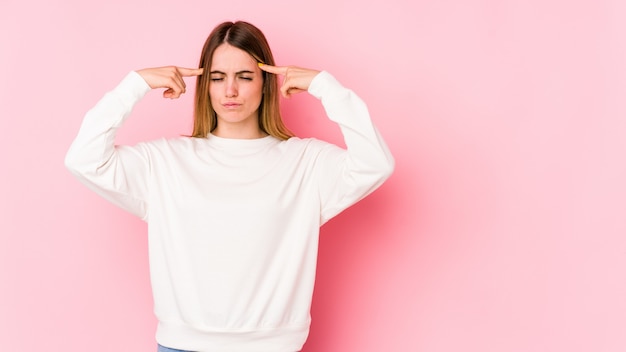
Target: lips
231,105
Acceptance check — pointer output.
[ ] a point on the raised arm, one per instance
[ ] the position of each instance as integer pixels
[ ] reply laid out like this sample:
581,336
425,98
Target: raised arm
345,176
119,173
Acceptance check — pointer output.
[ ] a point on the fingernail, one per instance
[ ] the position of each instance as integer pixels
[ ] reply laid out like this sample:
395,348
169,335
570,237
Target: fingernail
260,64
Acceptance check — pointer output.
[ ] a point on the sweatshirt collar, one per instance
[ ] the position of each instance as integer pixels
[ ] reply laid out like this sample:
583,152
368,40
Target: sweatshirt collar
240,143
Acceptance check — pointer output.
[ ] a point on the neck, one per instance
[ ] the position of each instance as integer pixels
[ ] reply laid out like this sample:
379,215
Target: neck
238,132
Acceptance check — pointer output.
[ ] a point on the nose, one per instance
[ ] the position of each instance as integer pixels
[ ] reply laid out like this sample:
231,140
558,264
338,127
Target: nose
231,88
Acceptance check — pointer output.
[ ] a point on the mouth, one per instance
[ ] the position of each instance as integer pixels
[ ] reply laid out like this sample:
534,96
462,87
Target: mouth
231,105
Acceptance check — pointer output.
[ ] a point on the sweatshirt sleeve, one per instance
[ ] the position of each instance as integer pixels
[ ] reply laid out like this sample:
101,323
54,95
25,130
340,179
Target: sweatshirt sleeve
117,173
348,175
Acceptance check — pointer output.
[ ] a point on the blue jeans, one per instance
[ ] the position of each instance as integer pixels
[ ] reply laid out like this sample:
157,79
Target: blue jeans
167,349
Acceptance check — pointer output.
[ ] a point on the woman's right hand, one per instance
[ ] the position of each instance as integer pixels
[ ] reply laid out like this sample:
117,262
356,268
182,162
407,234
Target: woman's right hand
170,78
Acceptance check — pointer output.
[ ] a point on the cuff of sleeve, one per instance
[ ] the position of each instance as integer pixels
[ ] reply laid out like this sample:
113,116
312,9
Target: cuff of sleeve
132,88
323,85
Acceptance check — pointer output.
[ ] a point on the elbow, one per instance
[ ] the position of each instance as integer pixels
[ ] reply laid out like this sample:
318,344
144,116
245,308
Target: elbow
71,163
377,171
387,168
74,164
381,171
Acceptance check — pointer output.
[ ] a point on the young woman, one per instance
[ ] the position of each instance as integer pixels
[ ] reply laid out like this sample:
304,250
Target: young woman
233,211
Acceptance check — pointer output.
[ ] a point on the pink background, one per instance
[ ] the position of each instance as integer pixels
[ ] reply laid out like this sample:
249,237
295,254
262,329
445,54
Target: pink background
502,229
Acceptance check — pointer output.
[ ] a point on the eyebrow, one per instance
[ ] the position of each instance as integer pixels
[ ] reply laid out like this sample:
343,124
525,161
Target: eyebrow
236,73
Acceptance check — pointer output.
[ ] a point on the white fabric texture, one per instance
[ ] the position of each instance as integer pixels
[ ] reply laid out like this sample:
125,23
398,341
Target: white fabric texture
233,224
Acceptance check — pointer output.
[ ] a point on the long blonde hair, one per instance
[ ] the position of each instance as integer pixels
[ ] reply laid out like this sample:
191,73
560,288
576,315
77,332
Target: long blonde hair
250,39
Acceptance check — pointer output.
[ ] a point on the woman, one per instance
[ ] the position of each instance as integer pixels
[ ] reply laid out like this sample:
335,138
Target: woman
233,211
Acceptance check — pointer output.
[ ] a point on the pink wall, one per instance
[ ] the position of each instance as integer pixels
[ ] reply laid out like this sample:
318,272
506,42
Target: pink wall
503,228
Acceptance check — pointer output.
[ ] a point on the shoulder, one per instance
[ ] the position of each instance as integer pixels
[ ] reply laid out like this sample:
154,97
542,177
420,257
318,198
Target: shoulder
308,145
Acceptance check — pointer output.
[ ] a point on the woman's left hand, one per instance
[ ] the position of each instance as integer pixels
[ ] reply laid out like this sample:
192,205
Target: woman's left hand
296,79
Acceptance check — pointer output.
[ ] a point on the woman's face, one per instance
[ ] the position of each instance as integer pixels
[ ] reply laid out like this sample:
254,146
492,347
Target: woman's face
235,88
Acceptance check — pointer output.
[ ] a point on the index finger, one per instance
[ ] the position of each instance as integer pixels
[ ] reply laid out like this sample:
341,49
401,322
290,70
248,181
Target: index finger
188,72
278,70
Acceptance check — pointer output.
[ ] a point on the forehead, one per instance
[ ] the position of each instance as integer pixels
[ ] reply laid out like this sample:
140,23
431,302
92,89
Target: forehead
229,58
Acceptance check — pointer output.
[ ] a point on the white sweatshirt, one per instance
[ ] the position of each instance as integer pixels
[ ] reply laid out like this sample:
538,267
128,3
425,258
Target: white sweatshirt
233,223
